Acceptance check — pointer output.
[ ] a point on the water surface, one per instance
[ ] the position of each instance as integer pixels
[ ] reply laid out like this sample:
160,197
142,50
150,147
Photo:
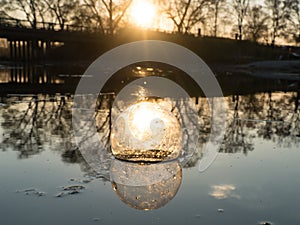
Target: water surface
45,179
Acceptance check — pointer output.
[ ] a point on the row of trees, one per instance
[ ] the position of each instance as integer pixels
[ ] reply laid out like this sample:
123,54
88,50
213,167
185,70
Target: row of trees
267,21
104,15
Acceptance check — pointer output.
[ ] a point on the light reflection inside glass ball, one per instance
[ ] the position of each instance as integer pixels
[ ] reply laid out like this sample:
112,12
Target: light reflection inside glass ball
144,116
146,131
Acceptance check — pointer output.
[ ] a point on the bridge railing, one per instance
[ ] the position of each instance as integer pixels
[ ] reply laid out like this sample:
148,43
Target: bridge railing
25,24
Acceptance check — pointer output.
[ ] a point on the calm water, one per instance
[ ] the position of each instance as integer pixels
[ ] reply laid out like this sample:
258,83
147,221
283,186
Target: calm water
255,178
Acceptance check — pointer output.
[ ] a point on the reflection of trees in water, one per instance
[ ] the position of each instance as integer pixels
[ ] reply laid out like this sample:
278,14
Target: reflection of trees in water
237,138
203,122
103,117
271,116
34,123
282,119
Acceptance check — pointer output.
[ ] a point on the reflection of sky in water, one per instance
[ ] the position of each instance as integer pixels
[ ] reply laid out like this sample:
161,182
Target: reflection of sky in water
260,184
223,191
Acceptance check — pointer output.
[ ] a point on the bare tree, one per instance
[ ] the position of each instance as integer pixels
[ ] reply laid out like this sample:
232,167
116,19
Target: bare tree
116,12
82,18
33,10
106,15
91,12
216,6
278,12
240,9
186,14
62,11
256,26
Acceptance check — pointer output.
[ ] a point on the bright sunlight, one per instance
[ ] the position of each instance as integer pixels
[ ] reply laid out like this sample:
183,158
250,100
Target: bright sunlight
143,13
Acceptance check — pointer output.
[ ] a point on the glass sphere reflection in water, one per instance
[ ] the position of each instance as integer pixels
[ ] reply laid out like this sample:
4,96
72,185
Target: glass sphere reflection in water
146,131
145,186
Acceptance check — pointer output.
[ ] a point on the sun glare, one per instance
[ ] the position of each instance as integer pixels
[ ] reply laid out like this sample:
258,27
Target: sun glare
143,13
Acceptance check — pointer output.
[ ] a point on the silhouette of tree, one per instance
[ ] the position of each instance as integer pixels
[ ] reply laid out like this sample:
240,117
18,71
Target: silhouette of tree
256,26
90,13
216,7
105,15
34,11
82,18
62,11
240,8
186,14
278,12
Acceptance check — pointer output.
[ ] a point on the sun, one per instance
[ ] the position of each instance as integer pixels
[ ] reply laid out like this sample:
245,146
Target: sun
143,13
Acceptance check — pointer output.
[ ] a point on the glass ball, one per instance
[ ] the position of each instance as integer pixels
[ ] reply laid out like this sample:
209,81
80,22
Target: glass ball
146,131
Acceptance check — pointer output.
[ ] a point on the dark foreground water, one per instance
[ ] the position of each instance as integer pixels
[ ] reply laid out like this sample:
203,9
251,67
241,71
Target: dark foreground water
254,180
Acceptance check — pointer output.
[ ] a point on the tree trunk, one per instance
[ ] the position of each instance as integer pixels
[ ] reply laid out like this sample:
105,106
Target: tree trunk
111,29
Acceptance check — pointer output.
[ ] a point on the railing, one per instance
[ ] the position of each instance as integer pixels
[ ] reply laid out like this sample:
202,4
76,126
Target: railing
25,24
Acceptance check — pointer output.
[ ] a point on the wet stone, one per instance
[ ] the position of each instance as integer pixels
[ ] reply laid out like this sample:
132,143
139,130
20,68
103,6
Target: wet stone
70,190
73,192
74,188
